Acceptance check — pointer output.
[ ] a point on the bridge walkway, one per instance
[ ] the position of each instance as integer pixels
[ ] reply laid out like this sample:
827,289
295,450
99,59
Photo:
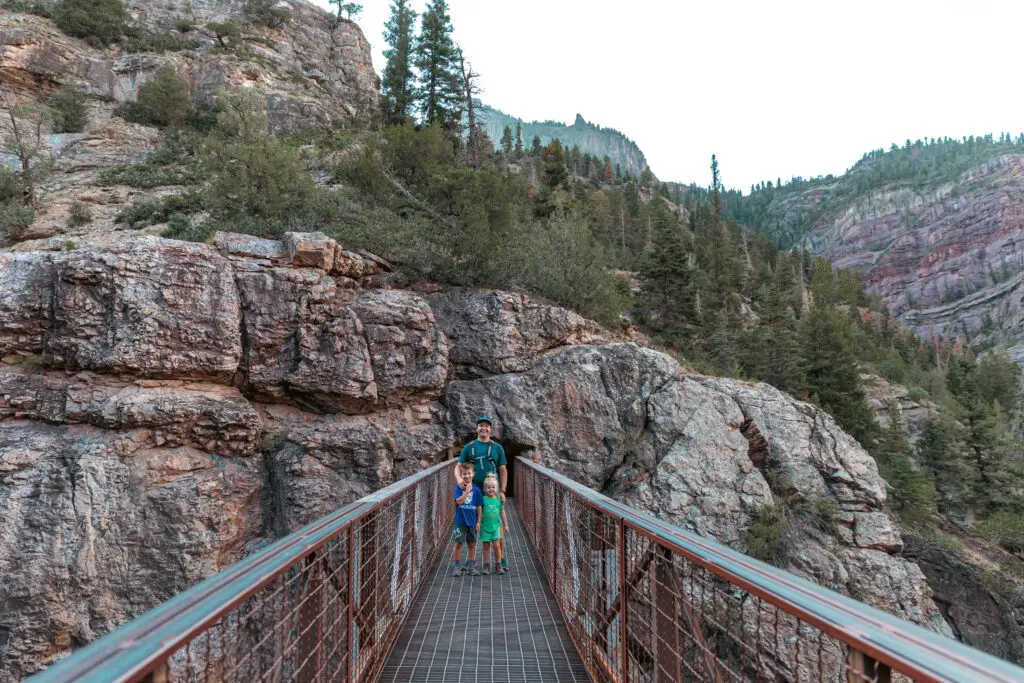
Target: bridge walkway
486,629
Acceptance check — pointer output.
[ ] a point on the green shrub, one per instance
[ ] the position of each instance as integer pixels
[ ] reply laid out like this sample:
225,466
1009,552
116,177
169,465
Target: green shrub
228,33
149,175
159,42
765,538
11,187
79,214
181,227
34,7
160,211
267,13
1005,528
70,113
15,217
163,100
258,177
99,22
184,25
819,513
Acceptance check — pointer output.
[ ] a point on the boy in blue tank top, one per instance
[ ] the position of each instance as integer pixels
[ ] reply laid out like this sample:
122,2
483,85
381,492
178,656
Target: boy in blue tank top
469,503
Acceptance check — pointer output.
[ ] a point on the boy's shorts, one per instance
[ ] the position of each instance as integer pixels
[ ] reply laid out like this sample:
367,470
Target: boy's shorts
465,534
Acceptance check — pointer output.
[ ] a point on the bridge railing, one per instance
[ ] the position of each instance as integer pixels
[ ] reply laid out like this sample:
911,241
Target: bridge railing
647,601
323,604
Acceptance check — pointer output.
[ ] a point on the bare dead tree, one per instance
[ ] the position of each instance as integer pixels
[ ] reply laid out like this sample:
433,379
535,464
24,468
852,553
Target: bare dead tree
478,144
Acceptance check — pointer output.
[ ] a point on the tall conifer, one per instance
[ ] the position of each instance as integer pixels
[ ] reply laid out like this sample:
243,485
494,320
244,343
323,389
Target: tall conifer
398,82
440,92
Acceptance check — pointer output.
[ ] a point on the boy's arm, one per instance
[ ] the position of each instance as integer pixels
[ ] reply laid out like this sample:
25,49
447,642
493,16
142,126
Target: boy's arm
465,495
479,516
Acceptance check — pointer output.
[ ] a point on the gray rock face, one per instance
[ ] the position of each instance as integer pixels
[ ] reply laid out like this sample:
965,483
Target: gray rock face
499,332
164,405
152,309
98,528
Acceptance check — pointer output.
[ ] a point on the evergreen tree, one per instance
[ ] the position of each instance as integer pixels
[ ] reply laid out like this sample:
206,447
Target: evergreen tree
398,82
716,184
914,491
535,146
830,373
506,142
555,173
519,140
440,90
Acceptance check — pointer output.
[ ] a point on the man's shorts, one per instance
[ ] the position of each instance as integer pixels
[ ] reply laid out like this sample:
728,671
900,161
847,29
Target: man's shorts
465,534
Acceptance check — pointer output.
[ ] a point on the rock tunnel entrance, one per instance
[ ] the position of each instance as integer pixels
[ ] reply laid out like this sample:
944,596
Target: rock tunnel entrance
513,451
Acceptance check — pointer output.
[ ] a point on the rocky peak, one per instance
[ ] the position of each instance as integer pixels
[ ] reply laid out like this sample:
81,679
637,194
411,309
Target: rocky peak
166,405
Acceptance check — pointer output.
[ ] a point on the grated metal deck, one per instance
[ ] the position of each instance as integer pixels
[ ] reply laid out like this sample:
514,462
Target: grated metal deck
486,629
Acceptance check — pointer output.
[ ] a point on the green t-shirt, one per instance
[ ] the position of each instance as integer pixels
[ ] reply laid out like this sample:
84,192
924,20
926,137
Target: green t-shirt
490,525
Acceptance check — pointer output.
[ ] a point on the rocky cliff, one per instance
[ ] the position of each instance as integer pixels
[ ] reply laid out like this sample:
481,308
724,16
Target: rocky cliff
166,406
947,257
590,137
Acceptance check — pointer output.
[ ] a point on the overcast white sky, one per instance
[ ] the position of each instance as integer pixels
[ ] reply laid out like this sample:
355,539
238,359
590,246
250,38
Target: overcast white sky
779,88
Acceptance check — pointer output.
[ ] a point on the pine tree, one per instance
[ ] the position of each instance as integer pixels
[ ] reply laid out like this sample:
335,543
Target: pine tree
535,146
716,184
519,140
668,281
440,93
914,491
831,375
555,173
398,82
506,142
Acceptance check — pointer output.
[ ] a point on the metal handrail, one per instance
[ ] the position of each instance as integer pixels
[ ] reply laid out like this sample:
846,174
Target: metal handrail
877,640
142,648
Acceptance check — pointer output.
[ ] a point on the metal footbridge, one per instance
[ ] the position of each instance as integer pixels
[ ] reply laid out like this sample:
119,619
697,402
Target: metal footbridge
596,591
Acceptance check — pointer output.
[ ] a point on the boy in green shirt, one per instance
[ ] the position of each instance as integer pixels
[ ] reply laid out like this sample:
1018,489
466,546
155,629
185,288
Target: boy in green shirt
491,523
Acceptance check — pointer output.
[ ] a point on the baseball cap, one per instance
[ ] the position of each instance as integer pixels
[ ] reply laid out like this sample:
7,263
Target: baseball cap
484,418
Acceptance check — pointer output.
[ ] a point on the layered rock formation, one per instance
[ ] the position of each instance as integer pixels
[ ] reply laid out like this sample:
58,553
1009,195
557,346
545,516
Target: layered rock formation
165,406
947,259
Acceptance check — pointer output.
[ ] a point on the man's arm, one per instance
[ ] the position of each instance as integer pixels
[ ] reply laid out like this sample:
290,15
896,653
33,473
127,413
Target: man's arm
503,476
504,519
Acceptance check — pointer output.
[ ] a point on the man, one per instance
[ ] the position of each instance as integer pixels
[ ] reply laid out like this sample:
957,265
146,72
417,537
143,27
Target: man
486,456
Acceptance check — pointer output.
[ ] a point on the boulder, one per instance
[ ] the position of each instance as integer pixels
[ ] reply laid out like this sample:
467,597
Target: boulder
150,308
497,332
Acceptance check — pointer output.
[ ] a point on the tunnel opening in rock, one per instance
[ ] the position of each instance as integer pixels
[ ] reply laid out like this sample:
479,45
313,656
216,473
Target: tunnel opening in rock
513,451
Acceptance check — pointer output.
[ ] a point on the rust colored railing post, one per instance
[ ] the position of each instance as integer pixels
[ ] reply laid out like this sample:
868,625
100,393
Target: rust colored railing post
351,637
667,653
623,607
864,668
310,621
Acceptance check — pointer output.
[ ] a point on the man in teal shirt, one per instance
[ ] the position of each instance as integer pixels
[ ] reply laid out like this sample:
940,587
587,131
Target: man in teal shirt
486,456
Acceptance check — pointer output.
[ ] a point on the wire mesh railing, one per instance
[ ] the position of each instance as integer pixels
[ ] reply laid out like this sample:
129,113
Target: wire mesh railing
323,604
646,601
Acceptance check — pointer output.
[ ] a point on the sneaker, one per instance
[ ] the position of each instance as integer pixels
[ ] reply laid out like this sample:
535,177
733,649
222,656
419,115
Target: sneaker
502,570
457,571
487,570
473,571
